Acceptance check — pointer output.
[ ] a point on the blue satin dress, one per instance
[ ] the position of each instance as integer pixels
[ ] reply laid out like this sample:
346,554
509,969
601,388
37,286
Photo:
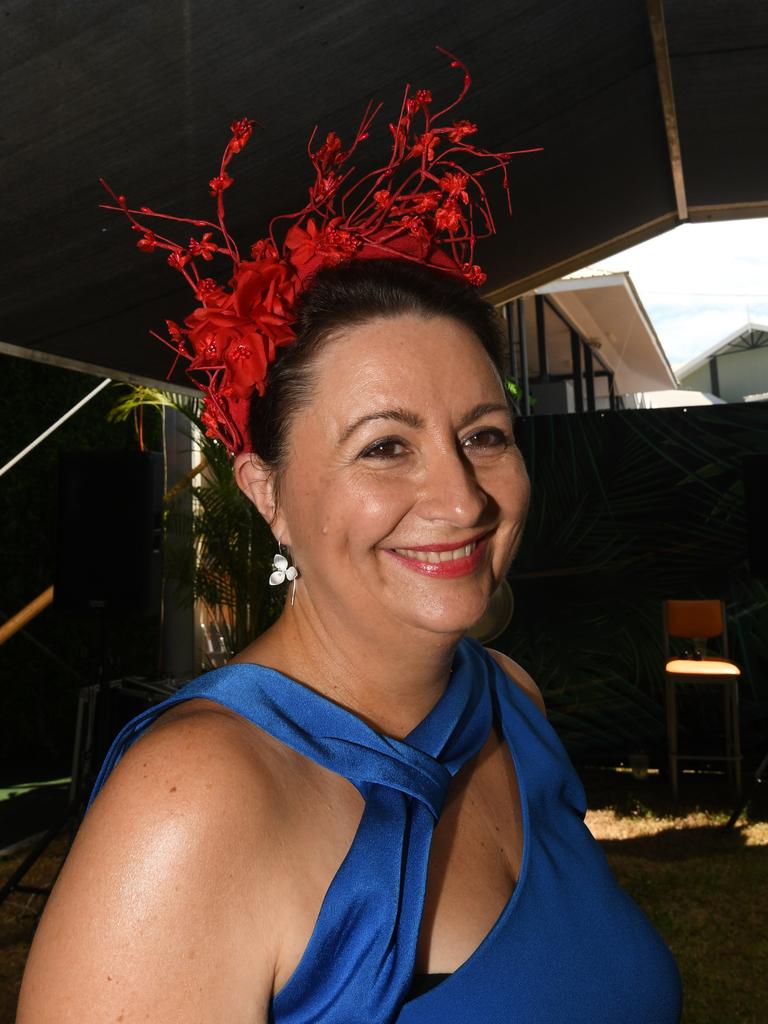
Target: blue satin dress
569,946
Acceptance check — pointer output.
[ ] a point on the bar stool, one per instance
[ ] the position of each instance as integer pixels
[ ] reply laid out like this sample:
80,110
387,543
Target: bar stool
698,621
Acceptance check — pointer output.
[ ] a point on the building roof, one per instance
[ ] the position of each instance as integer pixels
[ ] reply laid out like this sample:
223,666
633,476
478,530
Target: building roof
671,399
606,309
751,335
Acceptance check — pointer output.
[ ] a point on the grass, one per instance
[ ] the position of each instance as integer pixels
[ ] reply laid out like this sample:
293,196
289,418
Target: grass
705,890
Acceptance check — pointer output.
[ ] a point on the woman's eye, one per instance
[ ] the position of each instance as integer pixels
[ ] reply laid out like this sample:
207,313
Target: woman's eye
387,448
489,437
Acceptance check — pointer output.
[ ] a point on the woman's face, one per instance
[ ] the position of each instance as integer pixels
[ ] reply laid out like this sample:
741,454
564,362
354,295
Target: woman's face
404,497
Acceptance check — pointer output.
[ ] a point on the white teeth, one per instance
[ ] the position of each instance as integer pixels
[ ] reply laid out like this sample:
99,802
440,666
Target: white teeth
433,557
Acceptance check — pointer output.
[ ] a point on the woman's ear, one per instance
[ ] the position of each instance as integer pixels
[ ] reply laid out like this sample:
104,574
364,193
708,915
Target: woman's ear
257,482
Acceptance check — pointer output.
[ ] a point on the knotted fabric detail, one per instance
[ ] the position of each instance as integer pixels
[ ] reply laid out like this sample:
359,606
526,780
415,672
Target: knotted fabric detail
368,925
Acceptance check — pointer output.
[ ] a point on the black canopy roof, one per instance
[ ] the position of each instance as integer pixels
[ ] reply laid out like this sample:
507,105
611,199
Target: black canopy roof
647,116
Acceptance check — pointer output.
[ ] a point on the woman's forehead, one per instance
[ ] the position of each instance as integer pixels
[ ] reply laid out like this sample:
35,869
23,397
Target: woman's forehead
405,355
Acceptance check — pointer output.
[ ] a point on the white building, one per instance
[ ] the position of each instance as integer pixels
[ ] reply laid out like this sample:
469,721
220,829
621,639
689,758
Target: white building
584,343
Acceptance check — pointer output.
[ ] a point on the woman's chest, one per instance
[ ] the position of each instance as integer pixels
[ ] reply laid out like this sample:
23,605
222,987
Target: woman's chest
474,859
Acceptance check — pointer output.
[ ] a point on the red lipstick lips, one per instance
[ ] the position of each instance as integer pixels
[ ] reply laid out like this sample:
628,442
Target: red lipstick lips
452,568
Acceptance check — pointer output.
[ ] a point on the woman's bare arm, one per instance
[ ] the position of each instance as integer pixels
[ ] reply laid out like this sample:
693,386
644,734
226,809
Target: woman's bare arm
162,911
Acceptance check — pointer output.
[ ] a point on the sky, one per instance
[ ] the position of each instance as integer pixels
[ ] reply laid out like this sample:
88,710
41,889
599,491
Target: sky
699,282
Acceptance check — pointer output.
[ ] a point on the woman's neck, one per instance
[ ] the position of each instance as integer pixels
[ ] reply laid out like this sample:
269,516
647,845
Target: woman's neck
387,674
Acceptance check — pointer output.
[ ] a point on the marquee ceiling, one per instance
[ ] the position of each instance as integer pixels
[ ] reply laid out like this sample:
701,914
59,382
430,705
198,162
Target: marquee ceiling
647,116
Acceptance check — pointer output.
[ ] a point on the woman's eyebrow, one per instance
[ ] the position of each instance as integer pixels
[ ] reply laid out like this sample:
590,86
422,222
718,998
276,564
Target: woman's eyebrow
410,419
481,410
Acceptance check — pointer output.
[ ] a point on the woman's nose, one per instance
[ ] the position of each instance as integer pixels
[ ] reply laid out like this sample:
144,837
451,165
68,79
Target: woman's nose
451,490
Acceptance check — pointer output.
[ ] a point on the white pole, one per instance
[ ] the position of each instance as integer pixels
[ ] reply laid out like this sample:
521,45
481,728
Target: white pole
55,426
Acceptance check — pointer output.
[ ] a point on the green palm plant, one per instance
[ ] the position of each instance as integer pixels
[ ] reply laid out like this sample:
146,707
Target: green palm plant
232,544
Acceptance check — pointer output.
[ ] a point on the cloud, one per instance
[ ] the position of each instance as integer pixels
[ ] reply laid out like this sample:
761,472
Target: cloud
700,282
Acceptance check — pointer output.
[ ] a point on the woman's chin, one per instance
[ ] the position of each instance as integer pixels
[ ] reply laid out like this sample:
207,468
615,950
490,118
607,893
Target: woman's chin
449,618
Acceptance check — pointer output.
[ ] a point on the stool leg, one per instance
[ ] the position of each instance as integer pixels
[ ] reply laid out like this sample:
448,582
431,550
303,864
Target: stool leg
728,722
671,706
736,734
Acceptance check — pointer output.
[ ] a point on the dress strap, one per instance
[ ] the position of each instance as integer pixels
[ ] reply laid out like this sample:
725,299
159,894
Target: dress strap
368,926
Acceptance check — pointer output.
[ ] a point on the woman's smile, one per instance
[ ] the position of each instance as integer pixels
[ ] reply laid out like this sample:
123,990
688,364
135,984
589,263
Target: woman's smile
447,560
445,563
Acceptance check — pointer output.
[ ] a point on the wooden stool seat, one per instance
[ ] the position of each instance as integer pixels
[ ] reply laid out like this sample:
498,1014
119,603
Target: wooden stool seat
699,621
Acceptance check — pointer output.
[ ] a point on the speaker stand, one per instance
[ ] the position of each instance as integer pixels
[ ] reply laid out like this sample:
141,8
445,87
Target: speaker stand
92,723
760,776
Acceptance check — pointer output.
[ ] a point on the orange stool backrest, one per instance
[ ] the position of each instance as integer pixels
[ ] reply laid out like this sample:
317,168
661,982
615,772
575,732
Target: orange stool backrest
700,618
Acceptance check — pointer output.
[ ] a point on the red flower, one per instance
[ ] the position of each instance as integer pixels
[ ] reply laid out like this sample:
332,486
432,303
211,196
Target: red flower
331,245
210,292
455,185
241,133
419,101
178,259
205,247
175,332
426,202
425,144
220,183
474,274
302,243
324,189
448,217
382,197
460,129
418,227
210,349
247,360
339,245
148,242
264,249
244,327
330,152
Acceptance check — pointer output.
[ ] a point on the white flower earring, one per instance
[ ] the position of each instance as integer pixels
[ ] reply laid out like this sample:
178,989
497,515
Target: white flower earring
282,571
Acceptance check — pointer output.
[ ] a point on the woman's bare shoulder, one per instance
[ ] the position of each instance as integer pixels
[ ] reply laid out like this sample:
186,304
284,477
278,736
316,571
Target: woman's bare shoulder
518,675
161,909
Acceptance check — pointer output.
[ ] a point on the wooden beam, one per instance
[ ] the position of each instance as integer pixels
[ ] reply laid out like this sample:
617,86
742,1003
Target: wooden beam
664,74
20,619
727,211
37,355
584,258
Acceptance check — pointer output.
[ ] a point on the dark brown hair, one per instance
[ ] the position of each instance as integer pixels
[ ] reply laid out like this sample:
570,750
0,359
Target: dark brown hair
347,296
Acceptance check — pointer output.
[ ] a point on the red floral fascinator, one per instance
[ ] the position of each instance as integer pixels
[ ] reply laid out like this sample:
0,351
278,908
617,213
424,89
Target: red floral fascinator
427,204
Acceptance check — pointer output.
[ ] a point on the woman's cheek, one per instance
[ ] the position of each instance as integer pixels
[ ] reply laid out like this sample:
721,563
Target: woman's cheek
380,495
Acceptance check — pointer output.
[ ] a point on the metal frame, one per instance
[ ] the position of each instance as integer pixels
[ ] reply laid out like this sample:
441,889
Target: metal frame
514,312
714,377
583,356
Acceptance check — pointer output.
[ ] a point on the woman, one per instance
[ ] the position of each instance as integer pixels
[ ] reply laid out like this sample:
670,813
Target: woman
364,816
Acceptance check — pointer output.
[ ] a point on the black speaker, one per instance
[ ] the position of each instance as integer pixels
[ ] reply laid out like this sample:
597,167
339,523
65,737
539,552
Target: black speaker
755,473
109,531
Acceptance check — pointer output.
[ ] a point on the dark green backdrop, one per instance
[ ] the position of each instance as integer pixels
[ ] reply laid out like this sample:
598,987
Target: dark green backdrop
628,508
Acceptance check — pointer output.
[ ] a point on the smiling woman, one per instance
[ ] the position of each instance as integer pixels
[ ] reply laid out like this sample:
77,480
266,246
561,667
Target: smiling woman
364,816
397,452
